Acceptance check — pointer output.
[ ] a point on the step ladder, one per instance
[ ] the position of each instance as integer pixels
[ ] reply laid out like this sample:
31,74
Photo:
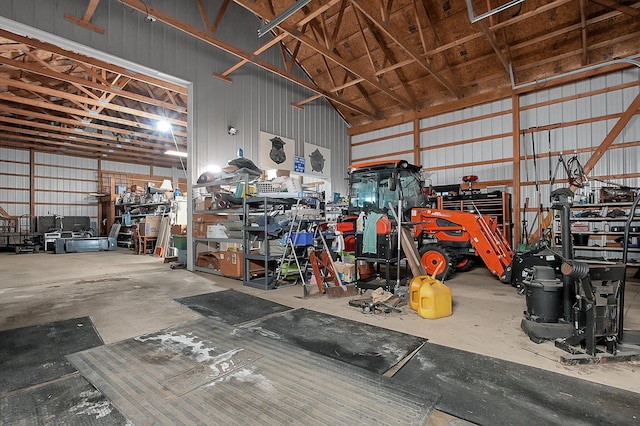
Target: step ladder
289,257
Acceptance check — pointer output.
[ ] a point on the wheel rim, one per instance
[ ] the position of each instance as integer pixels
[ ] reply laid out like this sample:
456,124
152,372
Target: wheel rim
463,263
433,259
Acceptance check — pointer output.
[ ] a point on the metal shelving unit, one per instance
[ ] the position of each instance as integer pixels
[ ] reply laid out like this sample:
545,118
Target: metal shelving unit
214,244
591,227
260,268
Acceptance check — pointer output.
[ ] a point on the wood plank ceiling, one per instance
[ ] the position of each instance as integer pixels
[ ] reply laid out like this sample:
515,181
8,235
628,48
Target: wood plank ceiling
372,59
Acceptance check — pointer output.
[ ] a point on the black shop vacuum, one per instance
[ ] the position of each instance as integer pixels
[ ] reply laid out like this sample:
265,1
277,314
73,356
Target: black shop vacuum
578,305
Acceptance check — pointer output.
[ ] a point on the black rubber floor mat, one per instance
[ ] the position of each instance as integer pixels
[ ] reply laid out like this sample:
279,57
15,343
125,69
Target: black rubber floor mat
372,348
489,391
207,372
68,401
231,307
33,355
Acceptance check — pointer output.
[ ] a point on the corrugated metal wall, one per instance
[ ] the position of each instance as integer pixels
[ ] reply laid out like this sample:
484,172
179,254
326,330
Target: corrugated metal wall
452,143
62,184
256,100
572,120
15,173
478,140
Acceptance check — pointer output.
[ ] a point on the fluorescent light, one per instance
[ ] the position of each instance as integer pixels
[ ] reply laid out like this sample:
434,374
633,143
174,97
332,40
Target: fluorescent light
176,153
492,12
299,4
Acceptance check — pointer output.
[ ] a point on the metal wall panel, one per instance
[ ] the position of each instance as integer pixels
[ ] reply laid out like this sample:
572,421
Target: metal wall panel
117,167
62,185
255,101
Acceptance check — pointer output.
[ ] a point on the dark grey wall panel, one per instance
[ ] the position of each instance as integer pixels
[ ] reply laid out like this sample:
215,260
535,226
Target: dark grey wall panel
256,100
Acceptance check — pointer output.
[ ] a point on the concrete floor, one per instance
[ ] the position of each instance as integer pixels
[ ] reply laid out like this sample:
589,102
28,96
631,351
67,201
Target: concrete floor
128,295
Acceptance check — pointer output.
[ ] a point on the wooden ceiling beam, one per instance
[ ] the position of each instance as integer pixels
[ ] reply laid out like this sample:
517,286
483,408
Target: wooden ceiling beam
391,58
203,14
94,62
74,111
48,71
65,95
71,143
156,160
583,31
305,101
436,35
203,36
417,56
626,116
613,4
221,12
74,139
494,45
224,75
336,29
85,21
83,124
364,40
294,55
311,15
317,47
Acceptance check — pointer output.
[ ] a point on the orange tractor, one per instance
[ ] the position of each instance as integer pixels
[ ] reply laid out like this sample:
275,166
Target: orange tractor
447,240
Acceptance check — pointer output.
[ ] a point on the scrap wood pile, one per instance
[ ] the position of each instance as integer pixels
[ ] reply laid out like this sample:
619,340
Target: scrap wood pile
379,301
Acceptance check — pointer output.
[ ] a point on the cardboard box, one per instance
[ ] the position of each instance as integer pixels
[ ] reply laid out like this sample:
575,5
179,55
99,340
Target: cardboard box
201,221
209,259
150,226
216,231
178,230
346,271
231,264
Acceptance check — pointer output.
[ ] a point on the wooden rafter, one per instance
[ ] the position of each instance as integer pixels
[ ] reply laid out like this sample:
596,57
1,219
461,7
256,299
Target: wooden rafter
494,45
221,12
92,61
583,31
98,103
317,47
423,40
613,4
370,14
77,81
203,14
390,57
85,21
306,101
260,50
74,111
78,126
336,28
626,116
203,36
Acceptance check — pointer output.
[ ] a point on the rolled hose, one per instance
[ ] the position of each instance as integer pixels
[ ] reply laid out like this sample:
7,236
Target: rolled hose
575,269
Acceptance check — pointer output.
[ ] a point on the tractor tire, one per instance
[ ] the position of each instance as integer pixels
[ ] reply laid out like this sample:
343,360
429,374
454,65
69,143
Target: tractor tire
465,264
434,256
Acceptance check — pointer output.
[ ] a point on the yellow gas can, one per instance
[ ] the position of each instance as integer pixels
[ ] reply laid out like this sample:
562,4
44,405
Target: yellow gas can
435,300
414,290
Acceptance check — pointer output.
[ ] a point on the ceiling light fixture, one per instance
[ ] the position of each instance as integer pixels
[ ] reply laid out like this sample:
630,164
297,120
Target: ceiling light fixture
492,12
176,153
163,125
299,4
